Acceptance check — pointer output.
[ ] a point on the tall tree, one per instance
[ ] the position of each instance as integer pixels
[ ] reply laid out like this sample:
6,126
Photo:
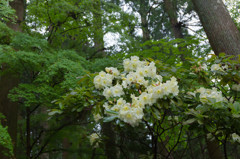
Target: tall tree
221,31
19,7
9,81
98,29
107,129
176,26
142,7
8,108
223,36
143,11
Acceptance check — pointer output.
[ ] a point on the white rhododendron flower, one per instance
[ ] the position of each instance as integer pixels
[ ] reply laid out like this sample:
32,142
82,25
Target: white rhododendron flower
140,72
113,71
121,102
158,92
150,89
236,137
131,115
145,98
103,80
159,78
130,78
127,65
204,66
135,58
206,94
173,86
116,108
106,106
107,92
117,90
94,138
124,84
216,67
138,103
150,71
97,117
133,64
225,67
165,89
141,79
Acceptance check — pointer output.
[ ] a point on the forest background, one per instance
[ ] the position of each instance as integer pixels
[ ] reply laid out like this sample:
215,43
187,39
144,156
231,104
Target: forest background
51,50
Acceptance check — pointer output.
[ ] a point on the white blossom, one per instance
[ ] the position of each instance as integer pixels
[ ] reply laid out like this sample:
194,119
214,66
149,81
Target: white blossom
93,138
117,90
216,67
206,94
150,88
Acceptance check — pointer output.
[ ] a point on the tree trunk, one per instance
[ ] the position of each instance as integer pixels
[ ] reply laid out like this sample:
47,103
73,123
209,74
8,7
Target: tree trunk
162,149
223,36
109,141
214,150
98,29
28,133
176,26
144,21
221,31
19,6
172,14
8,108
9,81
66,145
45,126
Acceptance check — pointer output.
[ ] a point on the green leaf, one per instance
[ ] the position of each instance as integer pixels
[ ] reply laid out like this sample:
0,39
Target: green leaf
111,112
188,122
54,111
110,118
61,106
222,54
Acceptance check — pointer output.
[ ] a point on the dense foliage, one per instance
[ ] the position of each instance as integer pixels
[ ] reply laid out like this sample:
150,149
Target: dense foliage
5,140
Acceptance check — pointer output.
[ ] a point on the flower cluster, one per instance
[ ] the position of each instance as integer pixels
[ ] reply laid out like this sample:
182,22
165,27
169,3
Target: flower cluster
216,67
138,86
206,94
93,138
236,137
103,80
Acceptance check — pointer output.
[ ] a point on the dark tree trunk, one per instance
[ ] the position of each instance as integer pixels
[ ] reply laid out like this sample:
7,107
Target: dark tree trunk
19,6
45,126
176,26
66,145
98,29
8,108
9,81
214,150
163,151
110,146
144,21
172,14
223,36
28,135
221,31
